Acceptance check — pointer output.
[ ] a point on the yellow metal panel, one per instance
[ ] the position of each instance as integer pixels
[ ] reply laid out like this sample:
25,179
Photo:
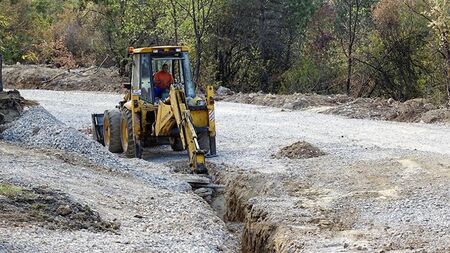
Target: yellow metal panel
200,118
211,111
165,120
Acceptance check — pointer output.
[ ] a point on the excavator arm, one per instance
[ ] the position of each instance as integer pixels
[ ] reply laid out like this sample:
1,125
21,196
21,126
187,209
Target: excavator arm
186,128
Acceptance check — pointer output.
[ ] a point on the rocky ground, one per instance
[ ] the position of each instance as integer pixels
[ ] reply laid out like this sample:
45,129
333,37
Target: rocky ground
415,110
62,192
378,186
146,216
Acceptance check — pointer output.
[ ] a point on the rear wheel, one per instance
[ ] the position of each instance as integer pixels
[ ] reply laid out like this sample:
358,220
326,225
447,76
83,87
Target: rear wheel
126,129
111,130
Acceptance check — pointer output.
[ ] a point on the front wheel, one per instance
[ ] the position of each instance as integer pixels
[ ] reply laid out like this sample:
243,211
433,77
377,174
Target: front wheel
130,146
111,131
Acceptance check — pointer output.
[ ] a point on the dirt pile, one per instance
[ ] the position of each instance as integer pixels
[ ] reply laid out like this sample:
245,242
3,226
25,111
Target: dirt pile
44,77
51,210
299,150
12,105
295,101
414,110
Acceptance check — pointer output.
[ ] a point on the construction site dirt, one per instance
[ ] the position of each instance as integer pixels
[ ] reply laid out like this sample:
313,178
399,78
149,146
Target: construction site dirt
355,185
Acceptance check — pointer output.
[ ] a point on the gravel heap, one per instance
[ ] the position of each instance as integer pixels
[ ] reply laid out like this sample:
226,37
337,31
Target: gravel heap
38,128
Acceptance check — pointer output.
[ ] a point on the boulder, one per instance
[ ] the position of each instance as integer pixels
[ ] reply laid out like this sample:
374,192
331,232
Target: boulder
224,91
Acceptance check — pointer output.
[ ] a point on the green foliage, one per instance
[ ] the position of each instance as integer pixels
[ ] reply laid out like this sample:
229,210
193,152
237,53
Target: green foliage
399,56
304,77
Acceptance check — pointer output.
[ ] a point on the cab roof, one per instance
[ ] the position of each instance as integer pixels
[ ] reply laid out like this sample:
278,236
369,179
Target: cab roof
158,49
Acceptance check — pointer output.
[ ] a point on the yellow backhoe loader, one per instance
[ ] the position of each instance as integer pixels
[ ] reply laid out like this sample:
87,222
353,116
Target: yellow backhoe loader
147,116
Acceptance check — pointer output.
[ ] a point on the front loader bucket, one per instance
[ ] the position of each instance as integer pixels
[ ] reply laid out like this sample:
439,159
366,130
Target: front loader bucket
97,127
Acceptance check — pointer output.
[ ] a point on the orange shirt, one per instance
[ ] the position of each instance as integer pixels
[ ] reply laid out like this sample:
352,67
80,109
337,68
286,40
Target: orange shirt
163,80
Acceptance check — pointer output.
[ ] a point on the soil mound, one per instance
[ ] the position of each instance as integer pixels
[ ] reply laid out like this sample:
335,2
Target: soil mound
299,150
294,101
12,105
414,110
44,77
49,209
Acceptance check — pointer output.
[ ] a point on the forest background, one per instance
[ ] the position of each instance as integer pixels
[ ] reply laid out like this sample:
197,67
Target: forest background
365,48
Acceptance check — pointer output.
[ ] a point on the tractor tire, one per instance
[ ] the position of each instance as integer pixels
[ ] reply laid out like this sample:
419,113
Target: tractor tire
203,141
111,131
176,144
127,138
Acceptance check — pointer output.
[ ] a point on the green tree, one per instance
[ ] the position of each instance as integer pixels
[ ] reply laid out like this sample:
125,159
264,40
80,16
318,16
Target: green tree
352,16
437,13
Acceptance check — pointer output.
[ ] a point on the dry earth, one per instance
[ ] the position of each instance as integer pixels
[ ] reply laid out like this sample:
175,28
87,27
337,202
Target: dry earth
380,187
415,110
11,106
49,78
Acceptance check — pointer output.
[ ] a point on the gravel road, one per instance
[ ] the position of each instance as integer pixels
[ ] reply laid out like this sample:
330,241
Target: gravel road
382,185
156,212
263,130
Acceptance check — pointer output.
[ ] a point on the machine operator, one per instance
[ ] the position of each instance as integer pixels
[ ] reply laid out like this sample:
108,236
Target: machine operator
162,79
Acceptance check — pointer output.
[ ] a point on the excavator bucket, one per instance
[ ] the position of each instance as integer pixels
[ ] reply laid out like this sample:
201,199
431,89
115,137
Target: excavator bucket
97,127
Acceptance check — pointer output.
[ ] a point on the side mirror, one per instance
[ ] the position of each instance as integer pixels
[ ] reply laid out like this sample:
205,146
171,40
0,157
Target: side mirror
126,86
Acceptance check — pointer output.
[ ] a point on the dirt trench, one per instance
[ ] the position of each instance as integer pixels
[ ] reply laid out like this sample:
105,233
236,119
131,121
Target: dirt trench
251,228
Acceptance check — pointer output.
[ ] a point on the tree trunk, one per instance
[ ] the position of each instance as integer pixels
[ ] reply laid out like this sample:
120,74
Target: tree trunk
1,77
198,59
349,74
175,20
264,78
350,47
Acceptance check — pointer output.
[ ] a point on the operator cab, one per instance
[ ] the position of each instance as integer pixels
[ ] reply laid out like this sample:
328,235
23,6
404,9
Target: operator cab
148,61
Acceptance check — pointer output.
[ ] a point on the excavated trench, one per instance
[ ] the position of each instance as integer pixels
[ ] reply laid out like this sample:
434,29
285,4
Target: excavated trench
255,230
252,229
248,225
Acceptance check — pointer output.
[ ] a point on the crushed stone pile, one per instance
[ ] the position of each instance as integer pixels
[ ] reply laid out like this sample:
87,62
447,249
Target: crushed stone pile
38,128
45,77
299,150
